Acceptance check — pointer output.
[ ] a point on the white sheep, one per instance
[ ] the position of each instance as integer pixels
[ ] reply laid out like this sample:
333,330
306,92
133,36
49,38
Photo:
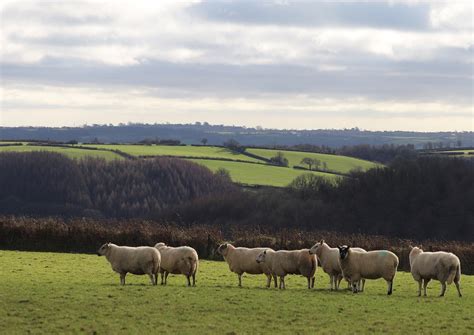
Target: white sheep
440,265
136,260
283,262
180,260
329,259
242,260
356,265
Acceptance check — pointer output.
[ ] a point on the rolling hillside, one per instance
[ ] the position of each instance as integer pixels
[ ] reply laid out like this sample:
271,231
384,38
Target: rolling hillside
258,174
243,169
339,164
176,150
70,152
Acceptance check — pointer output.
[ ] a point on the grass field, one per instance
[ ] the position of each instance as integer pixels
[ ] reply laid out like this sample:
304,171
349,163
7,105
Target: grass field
341,164
70,152
44,293
258,174
178,150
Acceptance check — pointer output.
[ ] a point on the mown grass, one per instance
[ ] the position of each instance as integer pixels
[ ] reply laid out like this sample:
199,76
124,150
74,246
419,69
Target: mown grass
341,164
258,174
70,152
176,150
76,293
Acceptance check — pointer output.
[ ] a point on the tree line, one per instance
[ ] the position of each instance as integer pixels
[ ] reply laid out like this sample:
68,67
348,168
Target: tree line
48,183
416,197
423,197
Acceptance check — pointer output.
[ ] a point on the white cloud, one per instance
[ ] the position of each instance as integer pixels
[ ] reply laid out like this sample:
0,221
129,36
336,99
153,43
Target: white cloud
67,37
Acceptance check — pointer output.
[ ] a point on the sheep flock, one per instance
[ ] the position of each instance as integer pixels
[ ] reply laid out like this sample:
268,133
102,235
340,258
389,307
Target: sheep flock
353,264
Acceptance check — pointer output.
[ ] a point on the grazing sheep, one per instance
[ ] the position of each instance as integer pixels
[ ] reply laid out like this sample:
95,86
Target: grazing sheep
179,260
360,283
136,260
283,262
329,259
440,265
356,265
242,260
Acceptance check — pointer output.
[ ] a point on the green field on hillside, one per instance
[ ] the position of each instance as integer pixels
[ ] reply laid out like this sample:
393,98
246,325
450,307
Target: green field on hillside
258,174
70,152
245,173
341,164
460,152
50,293
176,150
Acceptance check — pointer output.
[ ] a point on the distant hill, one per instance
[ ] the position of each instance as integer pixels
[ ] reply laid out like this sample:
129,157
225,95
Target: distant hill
217,134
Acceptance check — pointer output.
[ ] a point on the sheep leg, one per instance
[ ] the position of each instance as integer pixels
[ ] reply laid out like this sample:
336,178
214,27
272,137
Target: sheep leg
189,280
330,281
166,277
269,280
152,278
354,286
312,282
338,282
162,277
282,282
275,280
122,278
458,288
240,279
443,289
390,287
425,284
419,287
309,282
363,285
194,279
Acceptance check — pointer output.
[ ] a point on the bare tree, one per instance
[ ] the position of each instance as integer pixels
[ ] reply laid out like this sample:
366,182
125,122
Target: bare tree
308,161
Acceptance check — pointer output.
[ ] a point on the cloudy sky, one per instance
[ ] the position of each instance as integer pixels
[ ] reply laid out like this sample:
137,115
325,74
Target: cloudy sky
404,65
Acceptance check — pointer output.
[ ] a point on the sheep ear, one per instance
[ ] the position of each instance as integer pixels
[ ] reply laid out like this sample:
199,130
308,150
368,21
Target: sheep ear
322,241
339,247
264,252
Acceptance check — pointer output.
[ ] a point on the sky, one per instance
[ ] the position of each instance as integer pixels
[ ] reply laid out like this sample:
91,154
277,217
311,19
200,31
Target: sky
376,65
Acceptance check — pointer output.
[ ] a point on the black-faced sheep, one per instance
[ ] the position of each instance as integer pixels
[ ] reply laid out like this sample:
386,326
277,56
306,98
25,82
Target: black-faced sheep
375,264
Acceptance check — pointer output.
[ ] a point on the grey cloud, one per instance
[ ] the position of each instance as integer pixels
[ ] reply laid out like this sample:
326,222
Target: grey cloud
381,80
312,13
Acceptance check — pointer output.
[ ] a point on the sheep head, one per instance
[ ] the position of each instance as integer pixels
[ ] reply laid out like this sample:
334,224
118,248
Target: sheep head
343,251
103,249
261,257
222,249
160,245
315,248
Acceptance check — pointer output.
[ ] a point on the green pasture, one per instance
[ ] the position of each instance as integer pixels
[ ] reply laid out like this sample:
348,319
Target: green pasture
176,150
340,164
464,152
70,152
258,174
51,293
